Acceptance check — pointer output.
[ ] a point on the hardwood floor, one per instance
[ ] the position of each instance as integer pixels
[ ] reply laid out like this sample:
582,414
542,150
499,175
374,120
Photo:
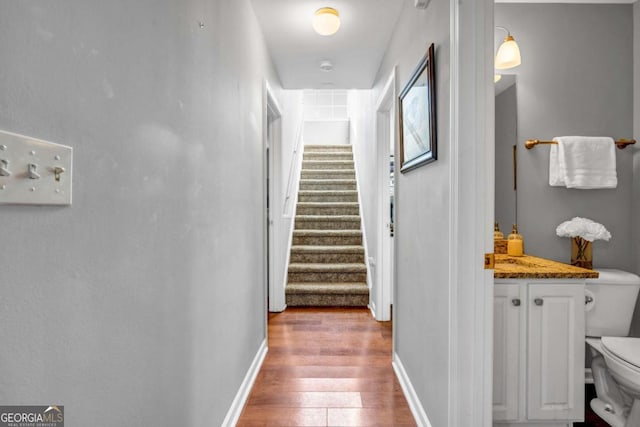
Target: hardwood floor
327,367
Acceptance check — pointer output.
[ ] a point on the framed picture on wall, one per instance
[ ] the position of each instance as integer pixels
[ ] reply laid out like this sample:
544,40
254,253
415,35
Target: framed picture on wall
417,110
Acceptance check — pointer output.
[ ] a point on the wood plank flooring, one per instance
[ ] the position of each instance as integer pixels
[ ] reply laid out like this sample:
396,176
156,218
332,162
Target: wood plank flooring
327,367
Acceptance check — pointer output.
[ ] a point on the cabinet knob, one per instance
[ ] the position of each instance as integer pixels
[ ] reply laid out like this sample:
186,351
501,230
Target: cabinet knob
516,302
538,301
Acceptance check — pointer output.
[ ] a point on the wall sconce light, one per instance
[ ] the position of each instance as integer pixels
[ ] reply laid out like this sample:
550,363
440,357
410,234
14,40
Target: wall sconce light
508,55
326,21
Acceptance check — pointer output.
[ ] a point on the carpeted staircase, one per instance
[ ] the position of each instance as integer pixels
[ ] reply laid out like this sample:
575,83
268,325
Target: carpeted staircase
327,265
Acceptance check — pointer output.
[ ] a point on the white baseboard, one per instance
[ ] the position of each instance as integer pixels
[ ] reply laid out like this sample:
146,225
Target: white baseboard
372,309
245,388
417,410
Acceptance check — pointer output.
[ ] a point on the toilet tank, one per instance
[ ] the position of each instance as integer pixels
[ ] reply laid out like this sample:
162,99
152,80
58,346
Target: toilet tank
611,299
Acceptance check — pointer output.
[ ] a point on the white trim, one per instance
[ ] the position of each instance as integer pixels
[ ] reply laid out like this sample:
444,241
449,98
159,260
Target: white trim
471,205
245,388
296,170
384,132
372,308
272,224
367,260
419,414
454,212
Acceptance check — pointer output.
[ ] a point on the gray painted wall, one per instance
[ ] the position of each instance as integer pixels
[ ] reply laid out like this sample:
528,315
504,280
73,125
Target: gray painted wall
635,327
575,78
421,308
636,133
506,138
145,299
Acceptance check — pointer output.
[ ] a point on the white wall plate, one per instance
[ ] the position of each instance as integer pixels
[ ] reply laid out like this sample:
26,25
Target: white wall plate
33,171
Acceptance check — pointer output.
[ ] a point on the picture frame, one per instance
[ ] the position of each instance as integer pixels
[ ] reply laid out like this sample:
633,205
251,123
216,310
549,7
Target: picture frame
417,116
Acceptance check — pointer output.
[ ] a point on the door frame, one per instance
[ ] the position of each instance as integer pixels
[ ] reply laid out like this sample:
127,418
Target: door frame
272,142
472,177
386,126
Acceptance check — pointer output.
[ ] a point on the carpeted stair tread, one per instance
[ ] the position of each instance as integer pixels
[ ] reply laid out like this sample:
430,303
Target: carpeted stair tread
327,164
343,249
328,155
334,254
348,268
328,184
346,218
328,196
328,208
327,147
327,222
328,192
327,233
333,288
320,181
332,173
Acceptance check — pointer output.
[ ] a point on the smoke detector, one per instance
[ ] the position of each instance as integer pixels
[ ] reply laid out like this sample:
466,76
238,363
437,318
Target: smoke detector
326,65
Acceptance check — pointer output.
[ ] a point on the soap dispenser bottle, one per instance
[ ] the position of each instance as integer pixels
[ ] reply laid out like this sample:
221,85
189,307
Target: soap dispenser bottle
515,243
497,234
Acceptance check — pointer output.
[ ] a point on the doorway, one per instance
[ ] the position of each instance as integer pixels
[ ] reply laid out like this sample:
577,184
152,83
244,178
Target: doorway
272,143
385,140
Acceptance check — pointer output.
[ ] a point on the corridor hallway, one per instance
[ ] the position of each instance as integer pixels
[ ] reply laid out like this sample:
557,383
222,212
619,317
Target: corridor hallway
327,367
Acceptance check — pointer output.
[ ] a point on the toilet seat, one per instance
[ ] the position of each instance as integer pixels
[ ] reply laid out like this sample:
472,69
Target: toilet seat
622,357
624,348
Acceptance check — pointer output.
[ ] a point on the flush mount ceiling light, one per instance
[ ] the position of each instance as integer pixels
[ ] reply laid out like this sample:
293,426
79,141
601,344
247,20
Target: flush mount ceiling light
508,55
326,21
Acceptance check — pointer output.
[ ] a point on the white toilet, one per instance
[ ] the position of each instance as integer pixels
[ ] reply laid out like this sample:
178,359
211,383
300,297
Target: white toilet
610,302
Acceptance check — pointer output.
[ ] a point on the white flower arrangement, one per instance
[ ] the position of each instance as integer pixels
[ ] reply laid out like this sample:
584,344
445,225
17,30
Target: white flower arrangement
585,228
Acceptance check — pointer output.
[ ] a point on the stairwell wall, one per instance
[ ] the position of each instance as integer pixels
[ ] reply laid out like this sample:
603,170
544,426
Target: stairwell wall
146,298
286,176
363,139
421,300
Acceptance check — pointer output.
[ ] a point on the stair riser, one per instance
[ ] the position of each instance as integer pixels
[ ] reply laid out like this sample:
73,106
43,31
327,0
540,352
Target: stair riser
333,210
307,258
327,240
327,156
327,186
328,198
323,300
324,148
327,225
327,277
328,174
312,164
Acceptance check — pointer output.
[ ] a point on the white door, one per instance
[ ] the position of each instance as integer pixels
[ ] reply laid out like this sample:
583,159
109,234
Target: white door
556,352
509,313
385,140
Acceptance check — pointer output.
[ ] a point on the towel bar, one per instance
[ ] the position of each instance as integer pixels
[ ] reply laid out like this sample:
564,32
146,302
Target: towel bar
620,143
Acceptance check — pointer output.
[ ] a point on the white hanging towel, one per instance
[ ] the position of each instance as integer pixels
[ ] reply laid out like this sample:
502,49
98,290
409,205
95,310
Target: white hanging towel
583,162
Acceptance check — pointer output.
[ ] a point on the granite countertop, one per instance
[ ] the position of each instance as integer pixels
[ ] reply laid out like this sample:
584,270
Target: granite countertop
531,267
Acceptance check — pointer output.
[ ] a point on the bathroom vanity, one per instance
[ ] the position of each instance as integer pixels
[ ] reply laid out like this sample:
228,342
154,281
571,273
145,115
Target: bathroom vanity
539,329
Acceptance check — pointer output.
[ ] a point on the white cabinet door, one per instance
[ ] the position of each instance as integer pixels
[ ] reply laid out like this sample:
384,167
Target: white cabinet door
555,353
508,315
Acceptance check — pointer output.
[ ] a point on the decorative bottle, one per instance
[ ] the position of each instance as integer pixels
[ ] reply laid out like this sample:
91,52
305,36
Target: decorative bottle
497,234
515,243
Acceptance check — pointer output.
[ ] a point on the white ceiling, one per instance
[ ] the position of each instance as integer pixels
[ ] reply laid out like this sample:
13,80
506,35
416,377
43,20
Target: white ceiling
356,50
569,1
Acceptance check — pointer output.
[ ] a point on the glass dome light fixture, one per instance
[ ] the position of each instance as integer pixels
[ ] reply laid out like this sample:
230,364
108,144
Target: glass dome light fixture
508,55
326,21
